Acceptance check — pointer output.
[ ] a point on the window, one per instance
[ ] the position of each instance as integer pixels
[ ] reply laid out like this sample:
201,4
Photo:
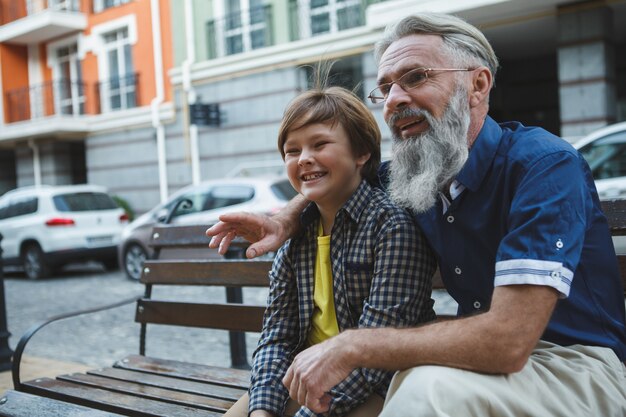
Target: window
607,156
87,201
69,88
19,207
119,91
213,198
284,190
328,16
100,5
246,26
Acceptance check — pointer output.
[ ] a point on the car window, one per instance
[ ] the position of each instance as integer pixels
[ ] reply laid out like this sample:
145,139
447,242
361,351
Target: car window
607,156
229,195
283,190
83,201
19,207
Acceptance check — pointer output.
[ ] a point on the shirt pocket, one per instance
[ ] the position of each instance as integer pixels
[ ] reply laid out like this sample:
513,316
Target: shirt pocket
358,280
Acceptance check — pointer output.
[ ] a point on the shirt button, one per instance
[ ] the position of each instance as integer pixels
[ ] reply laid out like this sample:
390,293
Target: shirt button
555,274
450,219
457,270
477,305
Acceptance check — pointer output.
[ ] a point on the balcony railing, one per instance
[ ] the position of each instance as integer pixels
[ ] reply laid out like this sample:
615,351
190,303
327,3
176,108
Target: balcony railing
240,32
11,10
71,98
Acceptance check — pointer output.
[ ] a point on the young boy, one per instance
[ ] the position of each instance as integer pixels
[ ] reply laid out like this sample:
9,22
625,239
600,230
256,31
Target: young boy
352,265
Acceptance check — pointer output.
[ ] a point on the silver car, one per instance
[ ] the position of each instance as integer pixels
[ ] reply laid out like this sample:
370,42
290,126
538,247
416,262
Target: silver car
208,200
605,151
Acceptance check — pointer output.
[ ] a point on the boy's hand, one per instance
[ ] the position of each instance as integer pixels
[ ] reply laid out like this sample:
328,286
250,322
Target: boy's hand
265,233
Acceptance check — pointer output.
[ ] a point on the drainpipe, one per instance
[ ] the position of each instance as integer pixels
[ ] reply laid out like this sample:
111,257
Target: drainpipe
190,93
36,162
160,96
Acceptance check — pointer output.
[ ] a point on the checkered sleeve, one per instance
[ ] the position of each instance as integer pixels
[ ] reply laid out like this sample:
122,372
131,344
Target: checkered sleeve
399,297
278,341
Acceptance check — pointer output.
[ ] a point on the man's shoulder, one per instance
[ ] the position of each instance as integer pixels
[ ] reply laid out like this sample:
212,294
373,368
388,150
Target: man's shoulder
530,143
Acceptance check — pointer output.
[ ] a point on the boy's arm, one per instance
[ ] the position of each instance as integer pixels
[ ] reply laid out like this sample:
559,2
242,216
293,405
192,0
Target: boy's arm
266,233
399,297
278,341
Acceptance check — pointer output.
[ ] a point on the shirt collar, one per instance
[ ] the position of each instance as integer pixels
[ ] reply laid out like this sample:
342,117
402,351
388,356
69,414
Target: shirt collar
481,155
353,207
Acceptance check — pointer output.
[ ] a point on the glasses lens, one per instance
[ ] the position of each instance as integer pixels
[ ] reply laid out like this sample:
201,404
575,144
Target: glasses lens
413,78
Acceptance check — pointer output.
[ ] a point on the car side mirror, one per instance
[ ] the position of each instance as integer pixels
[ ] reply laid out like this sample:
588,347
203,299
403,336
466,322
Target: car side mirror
161,215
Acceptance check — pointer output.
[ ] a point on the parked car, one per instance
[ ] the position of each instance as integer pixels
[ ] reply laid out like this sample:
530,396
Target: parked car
605,151
46,227
208,201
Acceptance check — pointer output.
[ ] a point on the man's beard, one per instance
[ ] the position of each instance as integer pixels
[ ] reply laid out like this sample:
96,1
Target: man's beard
424,164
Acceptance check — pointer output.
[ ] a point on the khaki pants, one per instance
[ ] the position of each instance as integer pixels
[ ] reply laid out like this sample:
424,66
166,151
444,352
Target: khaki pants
370,408
556,381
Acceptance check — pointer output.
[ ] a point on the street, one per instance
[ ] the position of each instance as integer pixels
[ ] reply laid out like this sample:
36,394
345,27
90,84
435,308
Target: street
99,339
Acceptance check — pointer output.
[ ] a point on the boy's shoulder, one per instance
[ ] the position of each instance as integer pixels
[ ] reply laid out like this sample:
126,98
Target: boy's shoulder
379,205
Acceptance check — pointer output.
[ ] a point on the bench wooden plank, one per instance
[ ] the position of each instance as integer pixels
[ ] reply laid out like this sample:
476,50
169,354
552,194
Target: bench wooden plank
161,394
615,212
110,401
239,273
21,404
182,385
229,377
215,316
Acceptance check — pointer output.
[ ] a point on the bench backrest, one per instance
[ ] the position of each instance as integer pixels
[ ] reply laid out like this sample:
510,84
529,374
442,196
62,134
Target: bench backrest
244,273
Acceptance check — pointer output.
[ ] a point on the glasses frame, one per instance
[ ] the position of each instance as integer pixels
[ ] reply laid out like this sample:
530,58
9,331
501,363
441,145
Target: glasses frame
376,95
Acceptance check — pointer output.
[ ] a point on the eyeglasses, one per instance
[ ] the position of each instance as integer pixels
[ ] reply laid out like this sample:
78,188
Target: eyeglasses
408,81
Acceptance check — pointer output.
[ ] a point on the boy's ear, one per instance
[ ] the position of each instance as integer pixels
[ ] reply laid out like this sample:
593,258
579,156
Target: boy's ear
362,160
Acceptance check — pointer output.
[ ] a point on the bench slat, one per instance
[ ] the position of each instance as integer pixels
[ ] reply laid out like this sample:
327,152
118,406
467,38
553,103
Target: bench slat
21,404
244,273
110,401
615,212
165,236
160,394
228,377
182,385
215,316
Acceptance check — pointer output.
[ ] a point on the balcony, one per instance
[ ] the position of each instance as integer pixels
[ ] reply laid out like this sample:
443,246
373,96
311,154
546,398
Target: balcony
67,99
34,21
240,32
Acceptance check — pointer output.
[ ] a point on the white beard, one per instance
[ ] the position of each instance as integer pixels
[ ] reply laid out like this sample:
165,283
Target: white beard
423,165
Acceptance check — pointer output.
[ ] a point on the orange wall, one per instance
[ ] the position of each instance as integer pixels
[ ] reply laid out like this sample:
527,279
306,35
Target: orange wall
14,67
143,59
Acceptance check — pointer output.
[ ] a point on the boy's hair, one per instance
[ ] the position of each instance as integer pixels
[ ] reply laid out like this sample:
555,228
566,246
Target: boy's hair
336,105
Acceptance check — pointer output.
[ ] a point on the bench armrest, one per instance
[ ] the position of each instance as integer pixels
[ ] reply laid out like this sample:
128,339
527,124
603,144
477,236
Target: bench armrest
19,350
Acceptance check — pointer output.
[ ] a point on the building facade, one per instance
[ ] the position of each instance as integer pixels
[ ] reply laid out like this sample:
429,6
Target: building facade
231,67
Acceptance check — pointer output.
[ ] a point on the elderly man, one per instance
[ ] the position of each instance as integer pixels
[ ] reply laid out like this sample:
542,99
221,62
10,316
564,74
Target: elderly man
513,217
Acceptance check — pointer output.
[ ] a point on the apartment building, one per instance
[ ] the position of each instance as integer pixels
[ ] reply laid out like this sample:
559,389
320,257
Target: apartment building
233,66
76,77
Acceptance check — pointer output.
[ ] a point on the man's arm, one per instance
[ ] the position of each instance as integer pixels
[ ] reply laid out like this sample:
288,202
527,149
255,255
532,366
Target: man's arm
265,233
498,341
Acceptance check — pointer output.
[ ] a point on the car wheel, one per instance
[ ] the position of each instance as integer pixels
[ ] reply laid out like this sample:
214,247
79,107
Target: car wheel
134,257
34,263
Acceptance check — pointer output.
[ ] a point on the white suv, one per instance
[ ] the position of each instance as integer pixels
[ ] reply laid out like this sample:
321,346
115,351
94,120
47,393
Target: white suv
45,227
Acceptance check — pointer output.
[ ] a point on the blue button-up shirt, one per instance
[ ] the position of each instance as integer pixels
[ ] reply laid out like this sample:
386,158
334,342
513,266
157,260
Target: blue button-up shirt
528,213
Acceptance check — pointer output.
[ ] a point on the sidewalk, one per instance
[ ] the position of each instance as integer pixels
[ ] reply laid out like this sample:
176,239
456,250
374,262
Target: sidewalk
33,367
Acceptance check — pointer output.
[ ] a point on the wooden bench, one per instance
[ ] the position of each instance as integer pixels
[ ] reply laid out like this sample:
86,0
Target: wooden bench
140,385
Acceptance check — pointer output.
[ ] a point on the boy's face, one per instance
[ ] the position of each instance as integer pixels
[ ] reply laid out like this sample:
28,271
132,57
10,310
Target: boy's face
321,165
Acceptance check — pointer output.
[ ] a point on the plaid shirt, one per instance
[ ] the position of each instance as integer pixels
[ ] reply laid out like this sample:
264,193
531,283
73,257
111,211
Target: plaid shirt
382,269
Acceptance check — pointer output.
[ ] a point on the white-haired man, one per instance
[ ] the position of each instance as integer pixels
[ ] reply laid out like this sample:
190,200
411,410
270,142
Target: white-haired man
513,217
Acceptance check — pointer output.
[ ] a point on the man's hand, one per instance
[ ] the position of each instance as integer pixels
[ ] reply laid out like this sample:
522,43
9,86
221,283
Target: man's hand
265,233
316,370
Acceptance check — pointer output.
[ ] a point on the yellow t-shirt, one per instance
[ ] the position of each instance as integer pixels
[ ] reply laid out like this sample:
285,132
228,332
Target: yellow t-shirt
324,321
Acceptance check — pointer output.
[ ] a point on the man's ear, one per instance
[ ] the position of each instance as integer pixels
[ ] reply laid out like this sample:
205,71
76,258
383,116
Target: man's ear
481,86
